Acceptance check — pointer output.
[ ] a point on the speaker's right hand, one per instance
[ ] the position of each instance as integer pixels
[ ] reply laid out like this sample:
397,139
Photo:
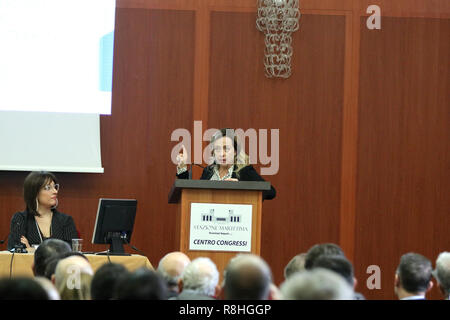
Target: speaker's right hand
182,158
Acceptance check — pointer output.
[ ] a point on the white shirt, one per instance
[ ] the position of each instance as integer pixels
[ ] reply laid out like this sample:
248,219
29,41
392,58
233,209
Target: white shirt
216,175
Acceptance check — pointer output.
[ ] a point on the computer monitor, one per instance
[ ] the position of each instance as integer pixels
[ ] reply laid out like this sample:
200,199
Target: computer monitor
114,224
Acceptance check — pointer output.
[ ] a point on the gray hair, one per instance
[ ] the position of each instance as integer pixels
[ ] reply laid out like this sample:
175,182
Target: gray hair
318,284
442,271
201,276
171,280
296,264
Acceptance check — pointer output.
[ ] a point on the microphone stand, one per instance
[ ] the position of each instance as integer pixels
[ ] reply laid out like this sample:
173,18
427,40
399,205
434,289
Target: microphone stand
190,170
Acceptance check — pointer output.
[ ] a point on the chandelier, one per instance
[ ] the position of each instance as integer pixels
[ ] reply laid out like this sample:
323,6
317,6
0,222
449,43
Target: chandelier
278,19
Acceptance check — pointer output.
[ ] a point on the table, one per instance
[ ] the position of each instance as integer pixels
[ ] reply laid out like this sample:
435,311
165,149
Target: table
22,262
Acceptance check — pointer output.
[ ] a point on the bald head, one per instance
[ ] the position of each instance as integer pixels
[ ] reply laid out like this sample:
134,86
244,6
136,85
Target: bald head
172,265
247,276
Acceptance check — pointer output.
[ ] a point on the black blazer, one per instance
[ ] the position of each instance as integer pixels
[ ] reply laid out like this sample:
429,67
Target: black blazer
23,223
247,173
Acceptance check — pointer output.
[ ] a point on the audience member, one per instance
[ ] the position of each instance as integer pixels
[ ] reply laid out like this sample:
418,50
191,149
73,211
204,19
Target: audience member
71,254
199,280
342,266
47,250
143,284
247,277
413,277
442,274
171,267
322,273
296,264
50,268
52,263
317,284
21,288
321,249
48,287
105,280
73,276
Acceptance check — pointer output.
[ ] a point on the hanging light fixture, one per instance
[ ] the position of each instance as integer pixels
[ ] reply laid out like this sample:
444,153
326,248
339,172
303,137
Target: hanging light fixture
278,19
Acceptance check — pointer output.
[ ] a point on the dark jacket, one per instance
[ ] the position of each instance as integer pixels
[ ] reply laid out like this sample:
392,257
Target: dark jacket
191,295
23,224
247,173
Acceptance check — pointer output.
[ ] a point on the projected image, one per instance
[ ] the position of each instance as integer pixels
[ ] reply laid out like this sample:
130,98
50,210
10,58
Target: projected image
56,55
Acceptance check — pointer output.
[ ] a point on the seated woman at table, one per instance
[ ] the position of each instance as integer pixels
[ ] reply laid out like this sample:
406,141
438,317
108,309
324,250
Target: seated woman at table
230,162
40,220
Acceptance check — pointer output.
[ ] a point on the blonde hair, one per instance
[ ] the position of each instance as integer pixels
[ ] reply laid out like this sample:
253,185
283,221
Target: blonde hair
73,278
83,292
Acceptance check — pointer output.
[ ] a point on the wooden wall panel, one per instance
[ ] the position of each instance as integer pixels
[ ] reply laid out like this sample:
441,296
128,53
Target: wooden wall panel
306,108
404,145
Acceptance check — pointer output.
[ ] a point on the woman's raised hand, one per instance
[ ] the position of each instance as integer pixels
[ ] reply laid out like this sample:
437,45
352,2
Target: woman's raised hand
182,158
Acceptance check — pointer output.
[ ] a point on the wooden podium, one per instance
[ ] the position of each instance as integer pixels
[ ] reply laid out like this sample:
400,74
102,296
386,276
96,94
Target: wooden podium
188,192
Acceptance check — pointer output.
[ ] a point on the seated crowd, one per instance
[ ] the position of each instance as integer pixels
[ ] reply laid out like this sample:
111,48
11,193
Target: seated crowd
322,273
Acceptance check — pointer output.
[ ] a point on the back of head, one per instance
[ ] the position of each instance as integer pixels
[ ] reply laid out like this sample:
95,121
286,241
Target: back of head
47,250
321,249
51,267
201,276
143,284
339,264
22,288
442,272
73,254
296,264
171,267
105,280
73,276
247,277
52,262
414,272
318,284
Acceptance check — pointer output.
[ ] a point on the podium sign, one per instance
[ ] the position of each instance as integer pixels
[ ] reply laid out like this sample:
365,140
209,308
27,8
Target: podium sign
221,227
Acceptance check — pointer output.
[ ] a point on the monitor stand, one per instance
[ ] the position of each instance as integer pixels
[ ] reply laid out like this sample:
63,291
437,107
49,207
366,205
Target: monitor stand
115,248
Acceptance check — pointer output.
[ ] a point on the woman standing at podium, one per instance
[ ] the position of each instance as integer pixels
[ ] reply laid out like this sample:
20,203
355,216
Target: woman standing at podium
230,162
40,220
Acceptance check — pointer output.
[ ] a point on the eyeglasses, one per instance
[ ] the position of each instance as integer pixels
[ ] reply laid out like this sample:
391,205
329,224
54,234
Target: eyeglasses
50,187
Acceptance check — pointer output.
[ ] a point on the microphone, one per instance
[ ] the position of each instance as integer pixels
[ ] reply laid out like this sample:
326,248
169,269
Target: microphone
18,230
133,247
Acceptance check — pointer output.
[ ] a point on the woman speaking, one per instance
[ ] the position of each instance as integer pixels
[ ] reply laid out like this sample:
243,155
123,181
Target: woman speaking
230,162
40,220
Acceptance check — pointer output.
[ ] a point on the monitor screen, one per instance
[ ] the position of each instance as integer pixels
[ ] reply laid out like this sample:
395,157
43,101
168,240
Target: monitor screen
114,223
